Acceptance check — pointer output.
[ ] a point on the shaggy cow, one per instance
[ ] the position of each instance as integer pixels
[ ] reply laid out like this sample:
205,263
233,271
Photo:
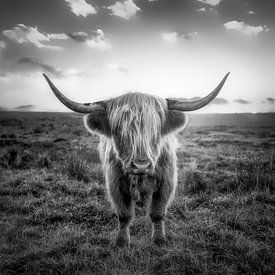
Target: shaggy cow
138,151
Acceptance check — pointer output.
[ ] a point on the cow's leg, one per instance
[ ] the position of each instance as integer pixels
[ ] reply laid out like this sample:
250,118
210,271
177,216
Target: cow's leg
160,202
125,210
125,215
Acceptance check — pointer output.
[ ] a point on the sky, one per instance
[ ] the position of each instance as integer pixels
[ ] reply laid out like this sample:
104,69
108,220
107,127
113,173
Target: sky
98,49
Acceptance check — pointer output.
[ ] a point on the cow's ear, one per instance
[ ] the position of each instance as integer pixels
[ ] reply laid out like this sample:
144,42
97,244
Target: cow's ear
175,122
97,122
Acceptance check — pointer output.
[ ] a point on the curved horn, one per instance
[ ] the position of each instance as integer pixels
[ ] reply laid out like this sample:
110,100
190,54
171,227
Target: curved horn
75,106
181,105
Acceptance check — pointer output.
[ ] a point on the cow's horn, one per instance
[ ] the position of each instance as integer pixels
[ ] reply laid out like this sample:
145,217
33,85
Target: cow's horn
182,105
75,106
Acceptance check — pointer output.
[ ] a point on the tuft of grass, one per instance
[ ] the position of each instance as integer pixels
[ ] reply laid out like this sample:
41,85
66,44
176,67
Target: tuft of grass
252,173
78,132
14,157
44,160
195,183
10,158
38,130
75,167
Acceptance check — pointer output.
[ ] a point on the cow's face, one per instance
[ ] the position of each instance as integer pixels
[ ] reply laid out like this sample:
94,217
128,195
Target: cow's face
136,123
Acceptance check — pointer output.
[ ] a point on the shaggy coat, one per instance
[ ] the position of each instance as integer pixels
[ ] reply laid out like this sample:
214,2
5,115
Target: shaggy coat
138,126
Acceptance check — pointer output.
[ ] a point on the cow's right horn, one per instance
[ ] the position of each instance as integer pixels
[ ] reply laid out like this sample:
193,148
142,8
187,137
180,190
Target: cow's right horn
184,106
75,106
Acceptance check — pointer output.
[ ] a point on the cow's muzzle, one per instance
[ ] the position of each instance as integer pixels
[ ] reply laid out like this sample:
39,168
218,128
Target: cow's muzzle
140,167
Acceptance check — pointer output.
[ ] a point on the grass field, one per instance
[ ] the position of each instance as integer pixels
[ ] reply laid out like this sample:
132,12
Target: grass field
55,219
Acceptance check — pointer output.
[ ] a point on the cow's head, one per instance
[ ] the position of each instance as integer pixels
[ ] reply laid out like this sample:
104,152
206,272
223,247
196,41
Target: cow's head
136,123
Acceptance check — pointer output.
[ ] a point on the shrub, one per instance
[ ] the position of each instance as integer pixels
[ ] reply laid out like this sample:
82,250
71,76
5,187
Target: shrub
78,132
10,158
44,160
75,166
37,130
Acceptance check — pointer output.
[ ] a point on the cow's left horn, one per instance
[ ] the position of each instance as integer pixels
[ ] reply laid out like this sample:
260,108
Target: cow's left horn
184,106
75,106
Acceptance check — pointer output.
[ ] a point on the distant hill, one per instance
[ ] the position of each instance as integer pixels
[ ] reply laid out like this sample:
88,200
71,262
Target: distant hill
217,100
29,108
2,109
25,108
235,119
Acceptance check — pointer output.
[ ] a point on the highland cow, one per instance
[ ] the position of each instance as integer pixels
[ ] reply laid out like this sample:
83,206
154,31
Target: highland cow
138,151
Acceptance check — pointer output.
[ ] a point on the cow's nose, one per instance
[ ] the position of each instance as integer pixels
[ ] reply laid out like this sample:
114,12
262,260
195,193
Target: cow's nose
141,165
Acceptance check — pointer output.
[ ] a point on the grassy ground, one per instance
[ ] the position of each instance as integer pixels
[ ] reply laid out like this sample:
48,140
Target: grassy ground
55,219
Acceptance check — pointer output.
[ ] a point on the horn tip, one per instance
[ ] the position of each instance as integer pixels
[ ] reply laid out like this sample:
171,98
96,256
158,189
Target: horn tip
45,76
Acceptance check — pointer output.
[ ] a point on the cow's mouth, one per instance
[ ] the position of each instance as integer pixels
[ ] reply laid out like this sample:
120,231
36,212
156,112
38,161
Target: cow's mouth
140,173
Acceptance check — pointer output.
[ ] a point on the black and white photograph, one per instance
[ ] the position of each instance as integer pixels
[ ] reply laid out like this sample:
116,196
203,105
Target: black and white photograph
137,137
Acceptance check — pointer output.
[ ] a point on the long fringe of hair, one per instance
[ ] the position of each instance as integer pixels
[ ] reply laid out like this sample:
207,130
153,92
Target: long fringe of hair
138,118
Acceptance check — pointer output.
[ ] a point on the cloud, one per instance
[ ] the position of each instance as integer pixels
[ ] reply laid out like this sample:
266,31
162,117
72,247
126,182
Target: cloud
173,37
81,7
2,74
118,67
60,36
124,9
170,37
270,100
188,36
208,9
24,34
210,2
100,41
2,46
242,101
12,77
220,101
79,36
266,29
45,67
203,9
245,28
54,71
97,40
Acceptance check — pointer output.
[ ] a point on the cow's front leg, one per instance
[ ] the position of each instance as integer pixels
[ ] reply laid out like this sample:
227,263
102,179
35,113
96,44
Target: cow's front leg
160,201
123,237
125,211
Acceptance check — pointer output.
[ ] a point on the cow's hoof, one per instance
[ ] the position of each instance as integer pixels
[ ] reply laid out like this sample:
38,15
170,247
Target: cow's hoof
122,241
159,240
